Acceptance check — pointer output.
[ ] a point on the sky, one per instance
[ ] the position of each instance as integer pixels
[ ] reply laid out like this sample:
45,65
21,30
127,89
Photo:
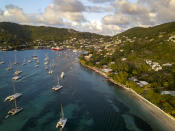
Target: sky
106,17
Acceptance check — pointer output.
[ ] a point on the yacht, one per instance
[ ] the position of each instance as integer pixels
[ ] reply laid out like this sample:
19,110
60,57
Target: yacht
58,86
62,122
62,75
12,97
29,61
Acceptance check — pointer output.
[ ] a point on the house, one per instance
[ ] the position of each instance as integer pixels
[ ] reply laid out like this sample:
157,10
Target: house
87,58
172,93
142,83
124,59
156,67
133,79
107,70
167,64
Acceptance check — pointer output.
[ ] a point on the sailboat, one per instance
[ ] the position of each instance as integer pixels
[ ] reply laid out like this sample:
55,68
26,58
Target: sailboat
15,63
24,62
17,72
46,58
16,109
50,71
58,86
62,122
53,64
14,96
9,67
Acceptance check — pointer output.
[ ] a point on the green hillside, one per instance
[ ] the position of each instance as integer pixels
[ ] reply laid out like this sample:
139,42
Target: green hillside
142,55
14,34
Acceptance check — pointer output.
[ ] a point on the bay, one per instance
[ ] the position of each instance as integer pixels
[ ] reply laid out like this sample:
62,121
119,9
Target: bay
90,102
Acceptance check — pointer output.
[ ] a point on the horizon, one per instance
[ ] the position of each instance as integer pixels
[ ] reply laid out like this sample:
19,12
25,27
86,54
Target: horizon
105,17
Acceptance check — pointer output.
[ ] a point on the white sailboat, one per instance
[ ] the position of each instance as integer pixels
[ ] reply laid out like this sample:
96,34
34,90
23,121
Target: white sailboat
58,86
15,62
9,67
17,72
62,122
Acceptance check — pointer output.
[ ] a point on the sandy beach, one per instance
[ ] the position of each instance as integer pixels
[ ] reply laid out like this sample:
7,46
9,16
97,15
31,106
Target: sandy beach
162,117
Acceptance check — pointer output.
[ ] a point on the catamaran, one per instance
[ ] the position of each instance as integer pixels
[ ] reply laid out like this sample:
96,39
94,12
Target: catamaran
12,97
16,78
62,122
15,109
58,86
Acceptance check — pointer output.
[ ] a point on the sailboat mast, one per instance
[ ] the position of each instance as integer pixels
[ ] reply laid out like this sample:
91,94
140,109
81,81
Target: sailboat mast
62,113
14,93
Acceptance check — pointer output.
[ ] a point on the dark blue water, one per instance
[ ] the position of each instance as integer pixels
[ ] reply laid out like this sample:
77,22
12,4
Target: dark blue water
89,101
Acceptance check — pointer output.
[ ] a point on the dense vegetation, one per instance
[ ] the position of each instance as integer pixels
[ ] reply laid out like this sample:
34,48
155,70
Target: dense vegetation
128,60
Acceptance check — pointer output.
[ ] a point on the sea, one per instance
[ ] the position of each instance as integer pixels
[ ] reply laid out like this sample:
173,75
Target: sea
90,102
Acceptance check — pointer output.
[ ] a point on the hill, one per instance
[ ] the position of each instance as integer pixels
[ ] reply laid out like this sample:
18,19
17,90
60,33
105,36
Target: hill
142,59
15,35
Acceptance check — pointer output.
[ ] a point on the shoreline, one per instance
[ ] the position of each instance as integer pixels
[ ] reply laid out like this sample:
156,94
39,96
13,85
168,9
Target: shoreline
164,118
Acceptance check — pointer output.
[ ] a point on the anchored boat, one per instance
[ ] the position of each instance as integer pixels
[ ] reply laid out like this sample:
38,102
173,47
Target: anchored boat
58,86
62,122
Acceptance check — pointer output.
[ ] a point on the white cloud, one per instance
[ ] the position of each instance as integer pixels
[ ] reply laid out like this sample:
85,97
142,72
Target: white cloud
113,15
117,19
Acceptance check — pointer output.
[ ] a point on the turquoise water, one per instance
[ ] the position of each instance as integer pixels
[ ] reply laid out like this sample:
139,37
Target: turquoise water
89,101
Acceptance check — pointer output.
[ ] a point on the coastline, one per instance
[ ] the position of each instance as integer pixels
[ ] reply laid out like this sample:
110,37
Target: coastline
164,118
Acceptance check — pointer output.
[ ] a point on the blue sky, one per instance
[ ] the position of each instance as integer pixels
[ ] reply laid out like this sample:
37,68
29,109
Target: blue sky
98,16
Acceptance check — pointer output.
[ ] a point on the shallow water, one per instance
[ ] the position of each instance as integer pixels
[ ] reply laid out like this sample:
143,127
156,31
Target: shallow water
89,101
